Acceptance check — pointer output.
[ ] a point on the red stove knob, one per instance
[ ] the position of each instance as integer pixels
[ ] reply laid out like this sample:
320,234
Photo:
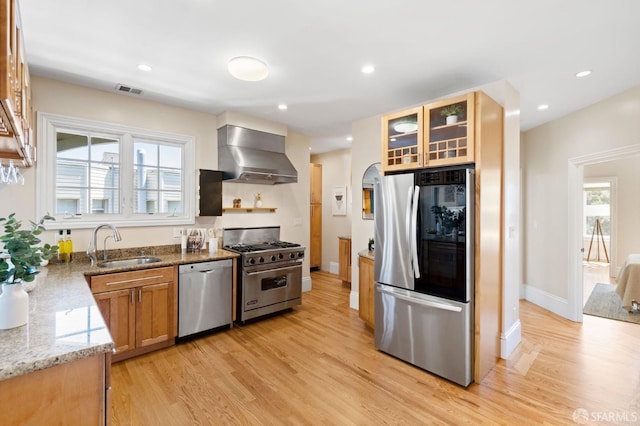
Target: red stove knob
261,259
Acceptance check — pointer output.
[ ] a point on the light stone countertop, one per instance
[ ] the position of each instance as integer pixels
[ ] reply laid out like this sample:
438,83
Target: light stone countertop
367,253
64,321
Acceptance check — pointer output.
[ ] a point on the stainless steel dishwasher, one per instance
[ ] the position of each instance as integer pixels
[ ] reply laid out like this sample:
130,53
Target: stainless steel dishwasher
204,296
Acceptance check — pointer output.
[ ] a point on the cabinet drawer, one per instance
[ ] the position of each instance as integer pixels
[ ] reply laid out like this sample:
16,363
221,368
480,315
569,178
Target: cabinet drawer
123,280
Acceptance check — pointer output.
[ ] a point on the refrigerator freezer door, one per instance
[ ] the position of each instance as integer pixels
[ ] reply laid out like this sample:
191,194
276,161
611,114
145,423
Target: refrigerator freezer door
427,331
393,230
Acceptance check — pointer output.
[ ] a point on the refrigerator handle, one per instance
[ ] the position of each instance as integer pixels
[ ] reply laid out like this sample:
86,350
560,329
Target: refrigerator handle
407,222
432,304
414,231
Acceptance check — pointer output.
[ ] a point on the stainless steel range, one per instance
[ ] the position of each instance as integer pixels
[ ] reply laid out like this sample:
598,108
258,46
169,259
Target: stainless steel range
270,271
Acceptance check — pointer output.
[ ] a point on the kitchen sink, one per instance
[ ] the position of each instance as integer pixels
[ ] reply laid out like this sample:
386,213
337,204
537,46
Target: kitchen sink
118,263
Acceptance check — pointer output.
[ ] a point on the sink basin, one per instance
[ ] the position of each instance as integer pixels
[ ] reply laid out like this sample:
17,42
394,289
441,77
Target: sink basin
118,263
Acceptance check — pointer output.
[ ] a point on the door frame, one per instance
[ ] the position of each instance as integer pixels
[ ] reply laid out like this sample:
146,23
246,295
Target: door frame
575,210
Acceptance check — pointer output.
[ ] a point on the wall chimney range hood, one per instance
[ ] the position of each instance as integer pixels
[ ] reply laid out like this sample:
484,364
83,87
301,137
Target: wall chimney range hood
252,156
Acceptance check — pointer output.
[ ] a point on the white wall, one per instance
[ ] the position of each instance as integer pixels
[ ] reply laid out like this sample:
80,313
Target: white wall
291,200
547,154
336,171
365,151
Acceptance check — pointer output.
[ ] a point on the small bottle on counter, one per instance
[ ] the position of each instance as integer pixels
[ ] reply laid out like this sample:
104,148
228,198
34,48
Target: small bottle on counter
62,254
68,246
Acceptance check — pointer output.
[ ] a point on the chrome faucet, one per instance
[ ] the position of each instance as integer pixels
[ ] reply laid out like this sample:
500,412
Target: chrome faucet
92,250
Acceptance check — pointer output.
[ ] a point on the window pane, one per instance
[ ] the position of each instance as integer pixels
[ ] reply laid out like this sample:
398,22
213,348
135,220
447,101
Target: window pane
146,178
104,176
170,179
597,197
72,146
145,153
71,173
170,156
65,205
104,150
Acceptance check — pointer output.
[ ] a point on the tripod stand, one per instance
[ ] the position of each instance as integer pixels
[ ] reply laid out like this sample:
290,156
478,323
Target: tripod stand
597,229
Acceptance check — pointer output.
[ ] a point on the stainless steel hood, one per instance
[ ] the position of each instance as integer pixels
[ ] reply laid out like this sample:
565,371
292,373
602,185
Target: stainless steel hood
252,156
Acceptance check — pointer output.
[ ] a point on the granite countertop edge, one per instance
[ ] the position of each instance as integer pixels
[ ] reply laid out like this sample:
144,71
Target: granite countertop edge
62,289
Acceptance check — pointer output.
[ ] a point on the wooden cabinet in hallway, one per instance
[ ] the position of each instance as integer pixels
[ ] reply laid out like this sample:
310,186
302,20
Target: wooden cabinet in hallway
315,212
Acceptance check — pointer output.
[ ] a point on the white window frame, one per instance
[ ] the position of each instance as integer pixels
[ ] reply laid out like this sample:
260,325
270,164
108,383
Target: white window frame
50,124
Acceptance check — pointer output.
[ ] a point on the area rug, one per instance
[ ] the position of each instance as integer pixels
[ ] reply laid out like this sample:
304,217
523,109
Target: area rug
605,302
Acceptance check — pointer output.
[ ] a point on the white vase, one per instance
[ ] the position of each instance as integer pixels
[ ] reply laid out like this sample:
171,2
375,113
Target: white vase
258,203
452,119
14,306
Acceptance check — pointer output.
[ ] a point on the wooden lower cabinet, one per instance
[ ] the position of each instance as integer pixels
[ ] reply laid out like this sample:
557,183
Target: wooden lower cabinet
73,393
366,290
139,307
344,259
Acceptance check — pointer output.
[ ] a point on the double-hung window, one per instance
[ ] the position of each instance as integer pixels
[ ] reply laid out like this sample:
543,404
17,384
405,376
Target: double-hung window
92,172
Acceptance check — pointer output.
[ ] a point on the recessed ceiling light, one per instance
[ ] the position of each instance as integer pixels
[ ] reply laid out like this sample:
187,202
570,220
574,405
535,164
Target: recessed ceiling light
144,67
349,138
583,73
368,69
246,68
543,107
282,107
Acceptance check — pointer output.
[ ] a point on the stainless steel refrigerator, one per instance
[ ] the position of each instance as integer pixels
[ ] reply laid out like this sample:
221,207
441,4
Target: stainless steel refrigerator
424,269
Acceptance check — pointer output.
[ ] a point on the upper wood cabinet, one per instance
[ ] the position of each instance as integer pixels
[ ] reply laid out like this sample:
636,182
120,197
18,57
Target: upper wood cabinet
402,140
449,131
15,89
438,134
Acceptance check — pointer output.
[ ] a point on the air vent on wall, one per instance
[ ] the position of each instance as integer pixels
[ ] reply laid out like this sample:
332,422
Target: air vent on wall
128,89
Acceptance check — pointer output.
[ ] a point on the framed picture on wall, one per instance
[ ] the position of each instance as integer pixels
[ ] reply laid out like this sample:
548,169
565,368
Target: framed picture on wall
339,201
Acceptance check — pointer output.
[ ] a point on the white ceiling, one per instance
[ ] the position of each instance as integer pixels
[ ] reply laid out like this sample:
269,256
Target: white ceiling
421,49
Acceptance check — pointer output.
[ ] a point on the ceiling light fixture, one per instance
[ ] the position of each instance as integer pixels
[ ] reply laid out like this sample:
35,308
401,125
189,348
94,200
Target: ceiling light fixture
543,107
368,69
282,107
144,67
246,68
583,73
405,127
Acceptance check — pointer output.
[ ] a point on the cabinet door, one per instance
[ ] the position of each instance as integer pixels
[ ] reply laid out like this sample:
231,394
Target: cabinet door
449,131
154,313
402,139
365,291
316,183
344,259
118,310
315,249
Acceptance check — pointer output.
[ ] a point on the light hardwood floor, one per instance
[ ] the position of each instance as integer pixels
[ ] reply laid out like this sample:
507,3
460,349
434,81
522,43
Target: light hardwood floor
317,365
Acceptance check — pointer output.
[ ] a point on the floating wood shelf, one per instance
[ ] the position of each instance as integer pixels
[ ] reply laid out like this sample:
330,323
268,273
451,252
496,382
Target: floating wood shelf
248,209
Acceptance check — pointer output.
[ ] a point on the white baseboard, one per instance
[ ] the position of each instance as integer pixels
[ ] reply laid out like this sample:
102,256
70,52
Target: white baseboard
548,301
306,284
334,267
354,300
510,340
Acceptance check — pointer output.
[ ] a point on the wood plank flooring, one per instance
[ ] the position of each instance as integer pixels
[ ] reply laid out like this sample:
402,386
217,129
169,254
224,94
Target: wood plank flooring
317,365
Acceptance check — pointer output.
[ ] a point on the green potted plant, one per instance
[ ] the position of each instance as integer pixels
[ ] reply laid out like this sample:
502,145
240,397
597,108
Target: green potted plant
19,262
452,112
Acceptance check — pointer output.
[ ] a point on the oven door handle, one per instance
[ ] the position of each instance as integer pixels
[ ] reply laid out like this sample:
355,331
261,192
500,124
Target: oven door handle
273,270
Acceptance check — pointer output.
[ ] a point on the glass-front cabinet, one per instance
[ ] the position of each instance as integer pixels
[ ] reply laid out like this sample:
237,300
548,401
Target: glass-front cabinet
449,131
402,140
